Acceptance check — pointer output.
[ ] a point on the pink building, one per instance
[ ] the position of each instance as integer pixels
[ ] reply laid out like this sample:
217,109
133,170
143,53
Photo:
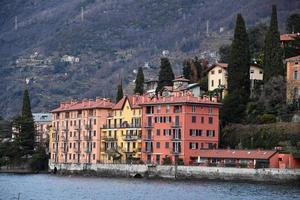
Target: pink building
176,125
76,130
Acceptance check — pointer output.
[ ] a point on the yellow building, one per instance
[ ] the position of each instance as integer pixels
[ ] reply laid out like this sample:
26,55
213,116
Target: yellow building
121,135
218,73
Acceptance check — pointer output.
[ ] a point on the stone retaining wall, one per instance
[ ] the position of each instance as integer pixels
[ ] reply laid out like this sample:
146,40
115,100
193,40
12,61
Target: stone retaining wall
180,172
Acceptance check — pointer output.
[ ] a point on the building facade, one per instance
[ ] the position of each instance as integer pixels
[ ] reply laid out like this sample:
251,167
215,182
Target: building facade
76,130
43,124
175,125
293,79
121,135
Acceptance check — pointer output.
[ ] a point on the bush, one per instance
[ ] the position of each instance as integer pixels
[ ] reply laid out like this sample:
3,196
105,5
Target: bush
266,118
167,160
39,160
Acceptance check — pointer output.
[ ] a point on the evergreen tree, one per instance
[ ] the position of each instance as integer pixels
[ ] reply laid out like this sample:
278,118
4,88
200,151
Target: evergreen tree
293,23
119,92
139,82
166,75
273,65
238,75
186,69
27,131
224,52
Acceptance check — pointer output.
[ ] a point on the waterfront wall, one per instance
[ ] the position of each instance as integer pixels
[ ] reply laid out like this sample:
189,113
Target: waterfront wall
179,172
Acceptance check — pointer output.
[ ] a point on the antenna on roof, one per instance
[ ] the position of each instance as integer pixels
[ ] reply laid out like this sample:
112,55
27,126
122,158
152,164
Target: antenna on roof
16,22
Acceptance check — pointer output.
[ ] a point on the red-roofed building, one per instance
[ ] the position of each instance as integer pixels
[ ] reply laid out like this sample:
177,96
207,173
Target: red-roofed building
175,125
247,158
76,130
293,79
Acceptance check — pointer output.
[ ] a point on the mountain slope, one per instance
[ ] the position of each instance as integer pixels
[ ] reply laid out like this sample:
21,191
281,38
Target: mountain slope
114,38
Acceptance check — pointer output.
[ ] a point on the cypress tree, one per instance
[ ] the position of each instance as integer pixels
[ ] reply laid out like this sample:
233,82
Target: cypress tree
238,75
27,132
273,65
186,69
139,82
166,75
119,92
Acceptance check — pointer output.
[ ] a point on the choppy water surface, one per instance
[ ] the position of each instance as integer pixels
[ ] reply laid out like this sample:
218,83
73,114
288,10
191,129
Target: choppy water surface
42,187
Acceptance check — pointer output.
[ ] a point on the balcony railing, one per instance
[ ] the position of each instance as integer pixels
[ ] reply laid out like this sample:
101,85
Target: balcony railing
65,129
147,150
131,137
176,137
148,125
87,137
88,126
147,138
115,126
87,150
176,125
109,138
175,151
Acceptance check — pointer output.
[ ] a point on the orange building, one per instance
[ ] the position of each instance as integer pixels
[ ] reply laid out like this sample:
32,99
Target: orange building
175,125
293,79
76,130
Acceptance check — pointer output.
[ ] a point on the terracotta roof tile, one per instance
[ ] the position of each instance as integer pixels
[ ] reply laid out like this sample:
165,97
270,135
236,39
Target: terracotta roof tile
134,101
84,104
288,37
295,58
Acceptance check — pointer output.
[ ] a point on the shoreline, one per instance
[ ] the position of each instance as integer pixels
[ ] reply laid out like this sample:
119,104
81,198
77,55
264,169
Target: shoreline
188,173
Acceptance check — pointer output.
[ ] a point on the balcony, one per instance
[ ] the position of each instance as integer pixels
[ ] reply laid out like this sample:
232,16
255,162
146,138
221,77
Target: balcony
65,129
148,138
176,125
148,125
87,137
77,127
131,137
64,149
63,138
124,125
87,150
88,126
175,151
77,150
109,138
176,137
147,150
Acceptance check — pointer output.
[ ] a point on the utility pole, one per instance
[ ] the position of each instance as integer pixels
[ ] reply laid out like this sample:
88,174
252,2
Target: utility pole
16,22
82,14
207,28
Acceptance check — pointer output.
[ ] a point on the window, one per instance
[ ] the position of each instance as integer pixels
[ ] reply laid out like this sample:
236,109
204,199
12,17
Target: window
212,72
149,110
195,132
158,108
220,71
296,75
167,145
210,110
193,119
212,83
210,133
193,145
95,121
73,156
177,109
94,133
133,145
219,81
94,144
251,71
70,134
158,132
210,120
167,108
70,156
260,72
70,145
94,157
158,145
202,120
193,108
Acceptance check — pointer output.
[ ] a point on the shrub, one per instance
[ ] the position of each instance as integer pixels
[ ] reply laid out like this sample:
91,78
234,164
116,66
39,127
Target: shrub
266,118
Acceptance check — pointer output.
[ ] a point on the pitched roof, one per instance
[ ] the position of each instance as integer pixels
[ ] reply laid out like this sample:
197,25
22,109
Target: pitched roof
181,79
222,65
84,104
239,154
134,101
288,37
295,58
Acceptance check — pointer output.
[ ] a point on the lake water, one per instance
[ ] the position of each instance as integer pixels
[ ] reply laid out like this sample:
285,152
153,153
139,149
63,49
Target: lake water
42,187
